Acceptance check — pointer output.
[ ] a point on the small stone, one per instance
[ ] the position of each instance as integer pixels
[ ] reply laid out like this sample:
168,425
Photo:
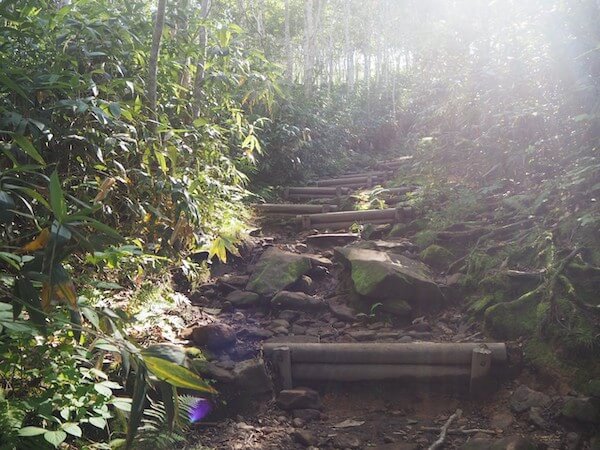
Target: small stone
214,336
306,415
572,441
318,272
304,437
279,331
226,306
235,280
242,299
405,339
289,315
299,398
362,336
501,420
535,417
346,441
297,301
339,325
252,376
211,370
421,327
524,398
256,333
298,329
238,316
304,284
279,323
298,422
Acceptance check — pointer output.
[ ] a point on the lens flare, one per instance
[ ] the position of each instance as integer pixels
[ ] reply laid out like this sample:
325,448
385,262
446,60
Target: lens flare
200,410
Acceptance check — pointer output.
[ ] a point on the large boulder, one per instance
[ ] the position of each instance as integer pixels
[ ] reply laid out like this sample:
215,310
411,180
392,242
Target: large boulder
392,279
277,269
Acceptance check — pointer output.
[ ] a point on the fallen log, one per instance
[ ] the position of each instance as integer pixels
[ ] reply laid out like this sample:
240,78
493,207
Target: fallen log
308,192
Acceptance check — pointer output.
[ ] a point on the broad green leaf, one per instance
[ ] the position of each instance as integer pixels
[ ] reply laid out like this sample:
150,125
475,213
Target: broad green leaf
5,80
176,375
57,199
98,422
170,352
72,428
137,405
26,145
55,437
31,431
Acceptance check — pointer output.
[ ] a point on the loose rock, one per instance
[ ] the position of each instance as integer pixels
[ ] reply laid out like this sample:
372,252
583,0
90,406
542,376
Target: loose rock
524,398
299,398
243,299
297,301
252,376
214,336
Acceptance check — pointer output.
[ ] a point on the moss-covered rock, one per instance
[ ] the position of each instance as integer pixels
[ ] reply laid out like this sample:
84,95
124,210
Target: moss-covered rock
582,409
391,279
511,320
277,269
437,256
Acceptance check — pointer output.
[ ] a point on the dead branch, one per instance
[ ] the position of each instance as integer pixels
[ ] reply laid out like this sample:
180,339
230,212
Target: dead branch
444,431
463,431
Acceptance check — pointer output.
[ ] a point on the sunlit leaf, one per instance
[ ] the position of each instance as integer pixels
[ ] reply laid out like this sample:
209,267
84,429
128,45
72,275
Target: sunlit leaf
38,243
176,375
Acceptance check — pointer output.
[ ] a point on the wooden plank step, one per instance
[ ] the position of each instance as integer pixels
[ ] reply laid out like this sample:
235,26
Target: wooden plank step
351,181
430,361
329,220
293,208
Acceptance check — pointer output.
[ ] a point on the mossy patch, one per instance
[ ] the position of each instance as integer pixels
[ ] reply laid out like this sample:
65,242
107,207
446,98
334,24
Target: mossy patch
511,320
437,256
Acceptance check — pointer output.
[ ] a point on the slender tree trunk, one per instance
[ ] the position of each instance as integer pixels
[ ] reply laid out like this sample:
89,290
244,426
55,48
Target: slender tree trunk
200,70
309,56
289,63
159,25
347,50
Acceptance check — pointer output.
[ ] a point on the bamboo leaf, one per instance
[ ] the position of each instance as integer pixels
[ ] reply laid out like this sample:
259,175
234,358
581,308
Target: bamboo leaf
26,145
57,198
176,375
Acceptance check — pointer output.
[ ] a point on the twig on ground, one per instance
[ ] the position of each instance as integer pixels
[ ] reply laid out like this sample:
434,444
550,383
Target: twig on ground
463,431
444,431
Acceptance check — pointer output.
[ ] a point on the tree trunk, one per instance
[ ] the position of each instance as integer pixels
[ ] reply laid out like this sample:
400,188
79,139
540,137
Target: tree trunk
309,56
159,24
200,71
289,64
347,50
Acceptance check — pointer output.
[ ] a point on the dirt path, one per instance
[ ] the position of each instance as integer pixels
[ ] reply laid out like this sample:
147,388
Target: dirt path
522,411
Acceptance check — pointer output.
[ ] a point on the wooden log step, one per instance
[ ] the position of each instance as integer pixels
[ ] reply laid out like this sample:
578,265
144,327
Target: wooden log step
351,181
334,191
342,218
394,163
418,353
375,372
293,208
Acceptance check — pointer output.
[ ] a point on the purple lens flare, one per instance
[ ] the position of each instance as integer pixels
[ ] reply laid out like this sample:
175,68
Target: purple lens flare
200,410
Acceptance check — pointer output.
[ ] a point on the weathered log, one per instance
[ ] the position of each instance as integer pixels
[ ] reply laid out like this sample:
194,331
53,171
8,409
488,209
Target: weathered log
294,208
328,190
342,219
361,181
379,174
426,353
365,372
341,225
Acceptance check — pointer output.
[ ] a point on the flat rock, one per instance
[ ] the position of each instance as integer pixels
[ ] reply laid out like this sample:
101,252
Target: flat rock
304,437
235,280
502,420
296,301
211,370
345,441
391,278
524,398
243,299
252,376
341,310
214,336
299,398
331,239
508,443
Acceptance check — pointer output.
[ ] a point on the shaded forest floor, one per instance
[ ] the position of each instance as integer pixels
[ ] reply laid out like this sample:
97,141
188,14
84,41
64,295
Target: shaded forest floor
533,404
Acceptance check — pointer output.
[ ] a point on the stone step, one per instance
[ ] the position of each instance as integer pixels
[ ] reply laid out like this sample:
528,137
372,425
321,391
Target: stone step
331,239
